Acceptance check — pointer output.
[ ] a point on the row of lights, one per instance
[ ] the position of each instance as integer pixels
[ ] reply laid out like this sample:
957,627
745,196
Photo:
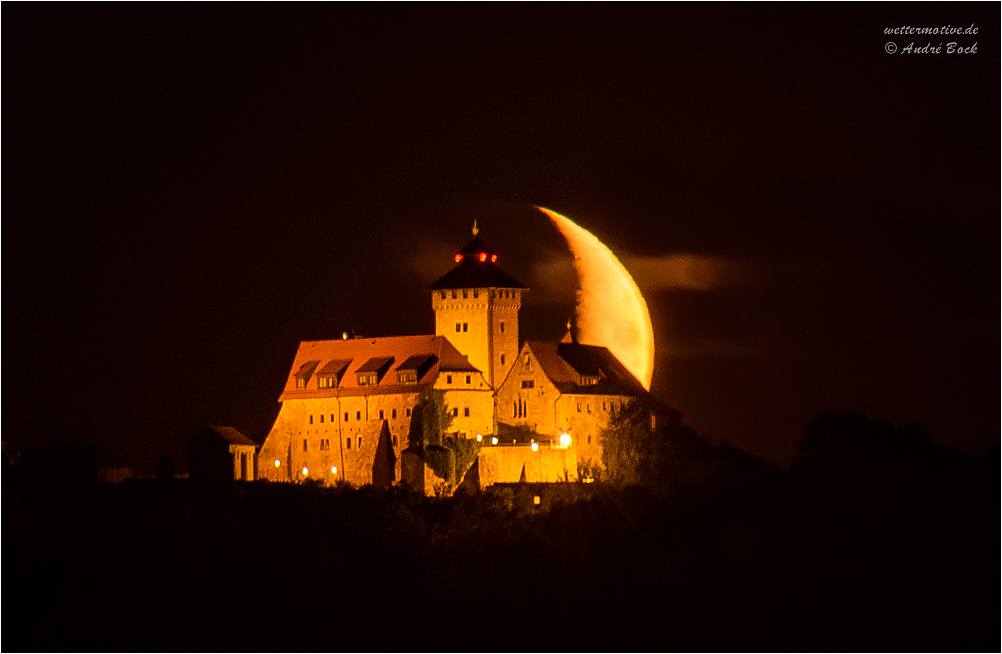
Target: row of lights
482,256
565,440
306,471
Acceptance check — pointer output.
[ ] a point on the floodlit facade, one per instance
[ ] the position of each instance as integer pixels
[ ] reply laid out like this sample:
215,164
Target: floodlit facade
347,404
566,389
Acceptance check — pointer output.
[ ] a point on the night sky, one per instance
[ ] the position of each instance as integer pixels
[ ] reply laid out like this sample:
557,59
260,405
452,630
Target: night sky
193,190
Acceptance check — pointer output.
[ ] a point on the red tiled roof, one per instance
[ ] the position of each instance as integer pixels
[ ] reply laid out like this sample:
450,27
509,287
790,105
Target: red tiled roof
359,352
375,364
334,367
306,369
566,363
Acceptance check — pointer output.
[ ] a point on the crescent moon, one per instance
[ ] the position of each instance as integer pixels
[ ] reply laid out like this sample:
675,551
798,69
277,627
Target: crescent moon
611,311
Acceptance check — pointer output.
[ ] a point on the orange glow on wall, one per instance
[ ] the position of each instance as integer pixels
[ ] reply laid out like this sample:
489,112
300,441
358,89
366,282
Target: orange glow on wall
494,258
459,258
483,257
611,311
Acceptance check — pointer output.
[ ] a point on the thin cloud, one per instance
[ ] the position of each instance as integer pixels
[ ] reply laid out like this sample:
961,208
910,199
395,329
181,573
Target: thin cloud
685,271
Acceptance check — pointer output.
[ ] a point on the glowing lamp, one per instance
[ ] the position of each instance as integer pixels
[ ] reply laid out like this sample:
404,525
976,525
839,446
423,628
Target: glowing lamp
277,463
494,440
479,438
459,258
565,440
535,499
535,446
306,471
483,257
333,470
494,258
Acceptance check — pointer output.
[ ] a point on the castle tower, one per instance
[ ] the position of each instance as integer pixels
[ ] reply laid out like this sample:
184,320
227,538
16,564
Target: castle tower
476,307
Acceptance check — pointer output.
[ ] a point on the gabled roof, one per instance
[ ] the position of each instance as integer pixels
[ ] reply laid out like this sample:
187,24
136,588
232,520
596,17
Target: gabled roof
229,434
306,369
361,354
565,364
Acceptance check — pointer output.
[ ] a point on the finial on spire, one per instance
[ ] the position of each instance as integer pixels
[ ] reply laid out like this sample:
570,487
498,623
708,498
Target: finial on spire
569,336
475,230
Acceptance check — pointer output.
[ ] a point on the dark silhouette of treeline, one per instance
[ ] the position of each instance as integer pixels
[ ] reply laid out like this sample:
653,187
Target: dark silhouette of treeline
874,539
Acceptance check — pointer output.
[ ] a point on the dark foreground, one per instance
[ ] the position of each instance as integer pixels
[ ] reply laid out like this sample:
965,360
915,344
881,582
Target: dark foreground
749,559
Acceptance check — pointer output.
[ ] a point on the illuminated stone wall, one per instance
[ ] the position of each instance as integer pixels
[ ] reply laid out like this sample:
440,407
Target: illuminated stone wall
584,417
550,413
532,407
331,428
504,463
484,340
319,433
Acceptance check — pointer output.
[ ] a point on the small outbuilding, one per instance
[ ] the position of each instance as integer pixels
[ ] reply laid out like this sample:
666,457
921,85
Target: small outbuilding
222,453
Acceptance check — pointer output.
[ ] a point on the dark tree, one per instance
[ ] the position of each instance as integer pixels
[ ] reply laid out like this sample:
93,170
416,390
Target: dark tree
165,467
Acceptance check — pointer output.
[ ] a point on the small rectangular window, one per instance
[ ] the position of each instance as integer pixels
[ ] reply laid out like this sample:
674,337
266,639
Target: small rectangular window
394,414
311,420
332,417
589,408
304,444
476,293
321,418
358,415
443,295
466,326
459,327
469,379
589,439
455,412
603,406
501,326
347,444
526,358
394,440
502,359
448,379
528,383
359,442
466,412
380,414
346,416
466,294
579,407
453,294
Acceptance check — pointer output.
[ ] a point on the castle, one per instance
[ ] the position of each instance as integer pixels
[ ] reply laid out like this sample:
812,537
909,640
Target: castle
537,410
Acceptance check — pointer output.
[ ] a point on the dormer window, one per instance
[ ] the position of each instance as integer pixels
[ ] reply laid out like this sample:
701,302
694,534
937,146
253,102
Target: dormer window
413,368
589,380
304,373
329,375
372,371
